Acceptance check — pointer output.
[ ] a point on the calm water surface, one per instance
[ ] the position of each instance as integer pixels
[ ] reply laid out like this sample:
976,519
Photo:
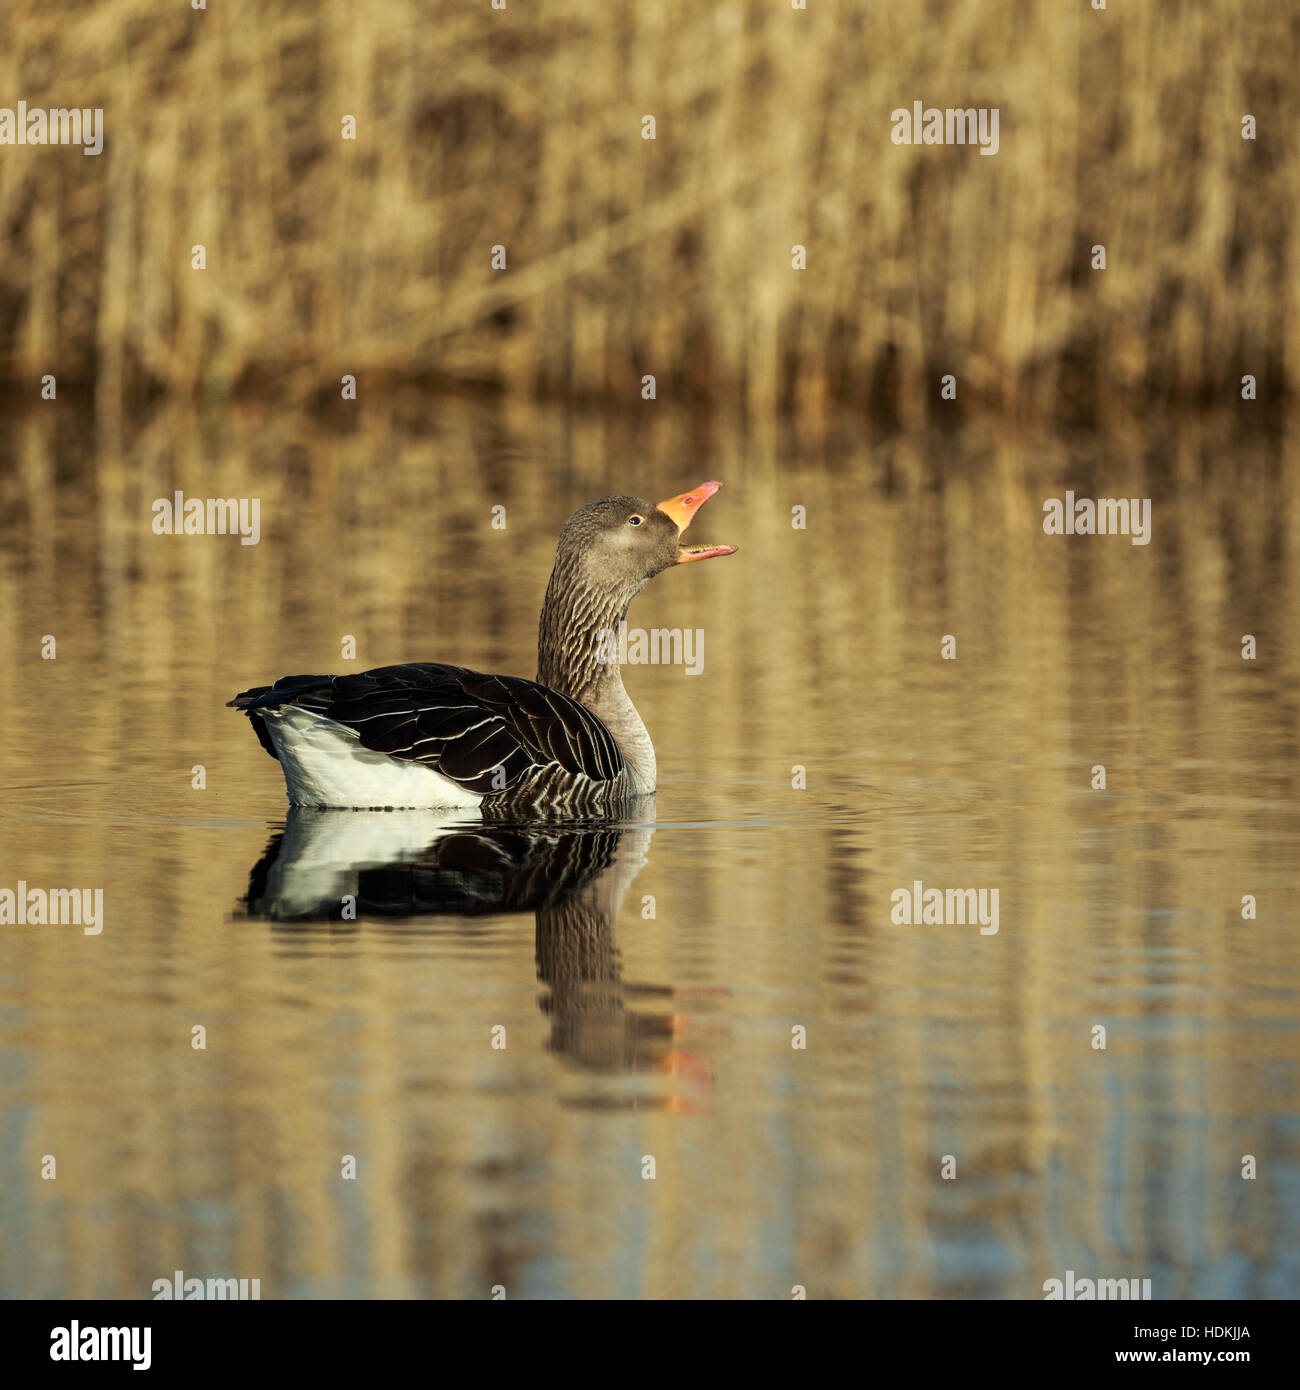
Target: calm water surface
646,978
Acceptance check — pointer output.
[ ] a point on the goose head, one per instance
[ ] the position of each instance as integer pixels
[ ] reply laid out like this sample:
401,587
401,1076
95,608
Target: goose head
619,544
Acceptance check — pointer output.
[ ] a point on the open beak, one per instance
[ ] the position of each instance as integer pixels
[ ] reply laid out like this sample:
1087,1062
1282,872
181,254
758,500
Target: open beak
682,511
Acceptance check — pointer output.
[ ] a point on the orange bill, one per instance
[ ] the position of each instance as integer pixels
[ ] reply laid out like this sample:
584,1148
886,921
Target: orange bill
682,511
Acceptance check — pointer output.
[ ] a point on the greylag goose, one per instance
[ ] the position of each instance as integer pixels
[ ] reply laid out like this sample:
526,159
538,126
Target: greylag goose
424,735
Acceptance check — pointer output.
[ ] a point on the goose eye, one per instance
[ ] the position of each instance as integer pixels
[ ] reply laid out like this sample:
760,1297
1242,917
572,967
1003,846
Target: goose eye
635,520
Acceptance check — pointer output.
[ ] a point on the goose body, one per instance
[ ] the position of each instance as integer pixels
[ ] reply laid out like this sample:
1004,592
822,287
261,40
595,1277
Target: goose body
426,735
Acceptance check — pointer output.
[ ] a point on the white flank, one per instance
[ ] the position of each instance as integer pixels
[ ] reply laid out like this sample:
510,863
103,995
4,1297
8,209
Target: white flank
325,764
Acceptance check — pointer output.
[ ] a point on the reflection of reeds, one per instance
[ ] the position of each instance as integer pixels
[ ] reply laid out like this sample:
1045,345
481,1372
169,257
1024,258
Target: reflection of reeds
823,651
671,257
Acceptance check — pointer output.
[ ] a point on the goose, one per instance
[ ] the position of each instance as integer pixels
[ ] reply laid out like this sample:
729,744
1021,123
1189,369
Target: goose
427,736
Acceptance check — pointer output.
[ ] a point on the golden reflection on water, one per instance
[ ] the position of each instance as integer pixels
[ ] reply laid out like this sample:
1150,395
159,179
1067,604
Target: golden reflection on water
630,1034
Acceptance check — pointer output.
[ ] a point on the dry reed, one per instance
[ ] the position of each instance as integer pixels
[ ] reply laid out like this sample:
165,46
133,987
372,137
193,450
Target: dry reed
672,257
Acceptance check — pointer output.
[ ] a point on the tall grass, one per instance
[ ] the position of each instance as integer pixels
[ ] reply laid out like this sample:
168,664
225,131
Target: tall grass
673,257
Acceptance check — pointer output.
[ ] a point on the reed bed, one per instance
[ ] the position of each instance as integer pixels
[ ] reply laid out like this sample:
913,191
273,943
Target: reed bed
628,257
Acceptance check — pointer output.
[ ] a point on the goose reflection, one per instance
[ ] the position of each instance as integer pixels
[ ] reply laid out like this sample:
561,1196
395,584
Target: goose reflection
345,868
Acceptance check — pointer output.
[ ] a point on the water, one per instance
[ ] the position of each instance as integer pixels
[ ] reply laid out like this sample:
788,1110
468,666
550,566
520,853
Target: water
647,978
